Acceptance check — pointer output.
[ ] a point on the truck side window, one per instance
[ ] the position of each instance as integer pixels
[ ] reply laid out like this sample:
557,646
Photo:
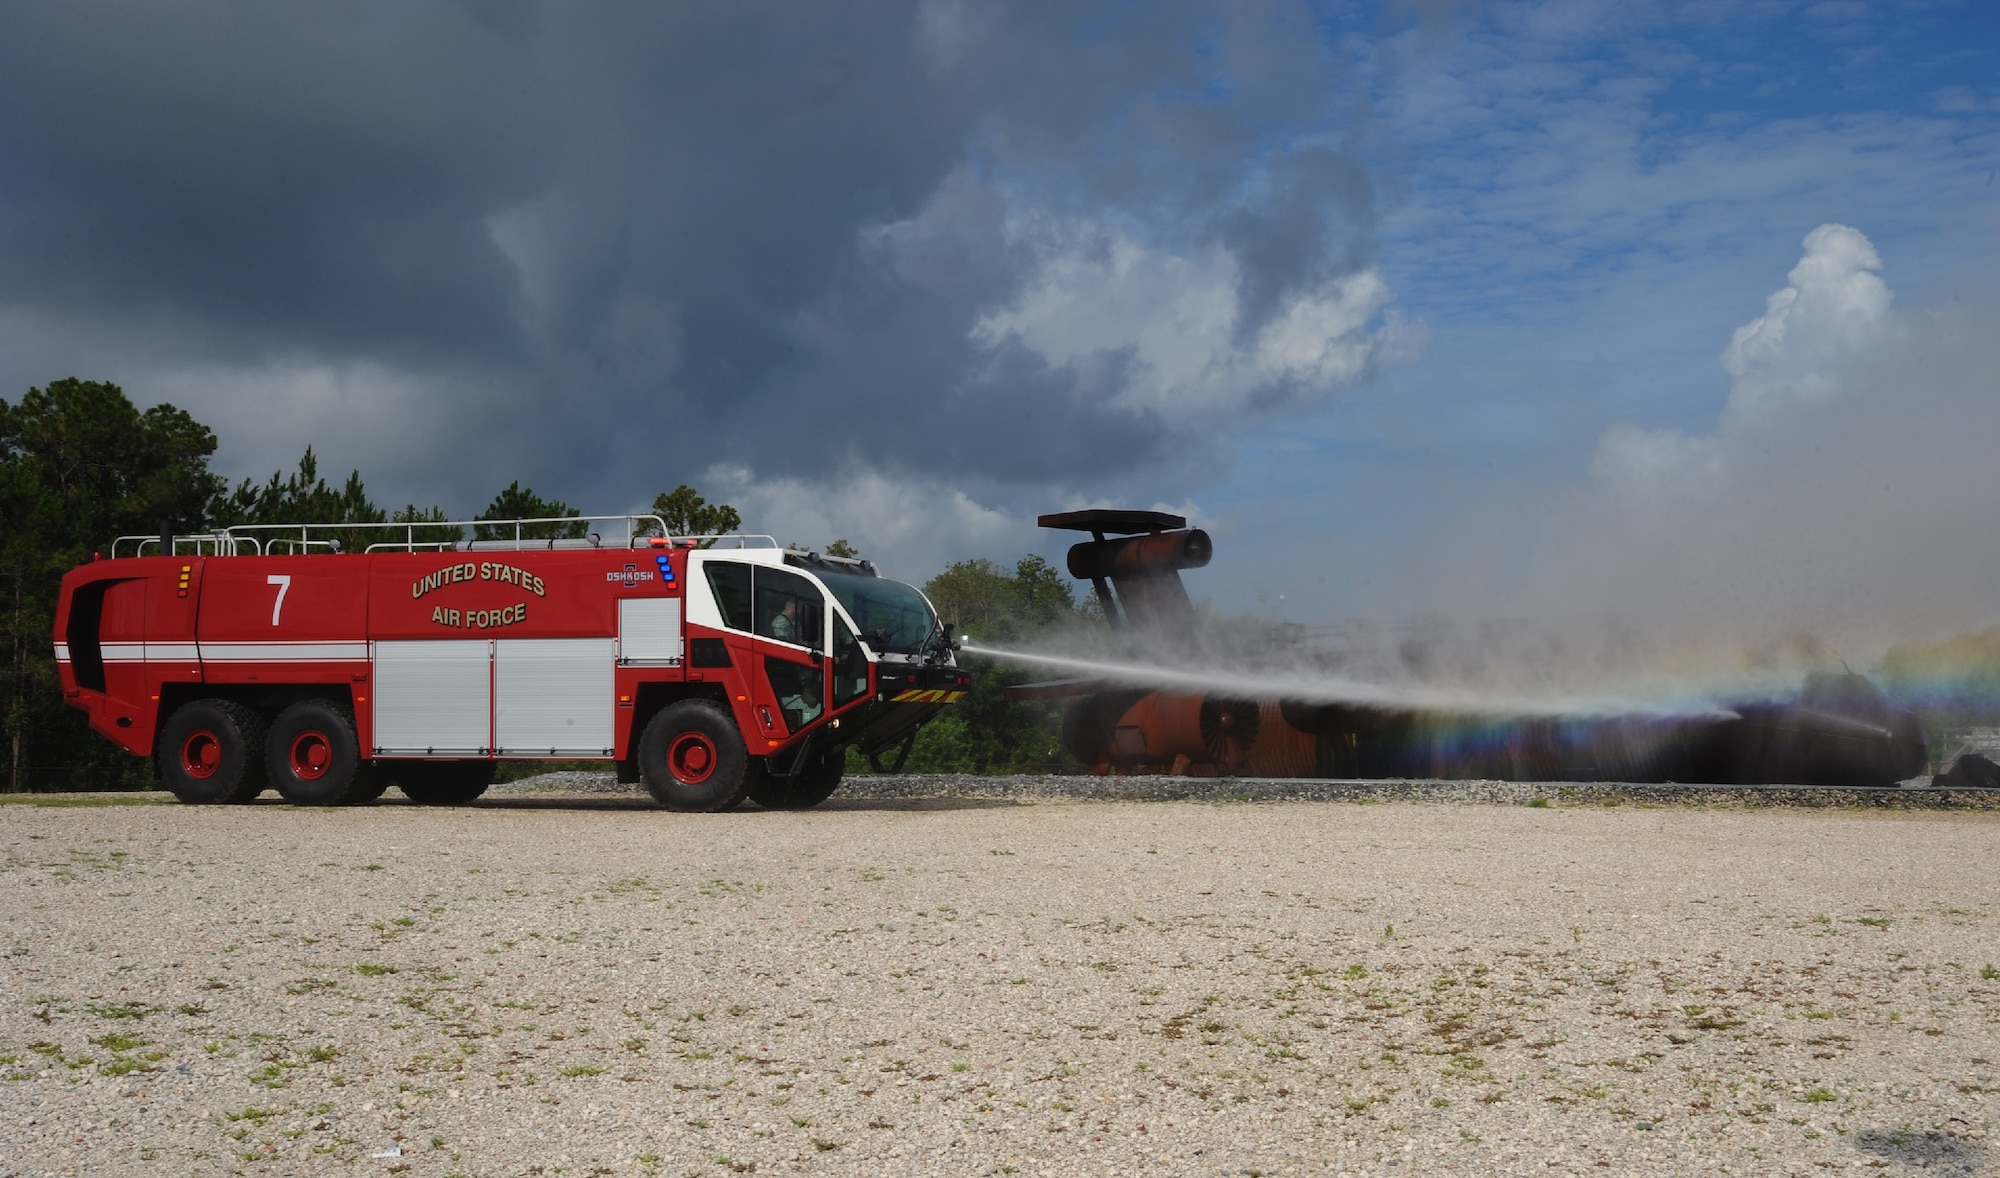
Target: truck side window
850,665
790,609
731,585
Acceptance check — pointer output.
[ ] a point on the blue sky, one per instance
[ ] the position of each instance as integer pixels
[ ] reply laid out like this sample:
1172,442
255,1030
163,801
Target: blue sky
1418,305
1590,198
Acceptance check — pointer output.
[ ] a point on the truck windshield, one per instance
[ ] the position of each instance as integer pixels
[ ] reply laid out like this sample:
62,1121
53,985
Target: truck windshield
893,617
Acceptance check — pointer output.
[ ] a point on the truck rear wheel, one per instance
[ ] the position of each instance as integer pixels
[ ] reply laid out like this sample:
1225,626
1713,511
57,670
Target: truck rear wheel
811,785
692,758
212,752
312,754
442,783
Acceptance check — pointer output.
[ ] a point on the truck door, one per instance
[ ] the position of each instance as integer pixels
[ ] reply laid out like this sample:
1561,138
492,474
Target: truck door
789,683
847,671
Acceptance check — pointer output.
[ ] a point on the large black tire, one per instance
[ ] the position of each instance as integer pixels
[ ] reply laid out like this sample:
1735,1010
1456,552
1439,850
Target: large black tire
803,790
211,752
441,783
692,758
312,755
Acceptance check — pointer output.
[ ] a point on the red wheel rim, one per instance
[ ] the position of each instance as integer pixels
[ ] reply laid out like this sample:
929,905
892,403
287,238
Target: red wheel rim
691,758
201,754
312,755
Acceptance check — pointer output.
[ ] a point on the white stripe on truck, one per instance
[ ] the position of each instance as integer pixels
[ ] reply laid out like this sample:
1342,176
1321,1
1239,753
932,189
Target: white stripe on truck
284,652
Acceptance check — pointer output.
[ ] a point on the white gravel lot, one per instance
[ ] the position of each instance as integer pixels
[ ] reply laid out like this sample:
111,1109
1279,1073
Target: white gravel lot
578,983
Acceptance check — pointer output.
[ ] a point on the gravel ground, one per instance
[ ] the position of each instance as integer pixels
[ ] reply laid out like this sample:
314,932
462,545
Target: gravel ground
948,976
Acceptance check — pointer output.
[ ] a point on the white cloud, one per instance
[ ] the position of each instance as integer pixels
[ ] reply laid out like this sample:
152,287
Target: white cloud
1651,466
910,527
1100,291
1796,355
1836,309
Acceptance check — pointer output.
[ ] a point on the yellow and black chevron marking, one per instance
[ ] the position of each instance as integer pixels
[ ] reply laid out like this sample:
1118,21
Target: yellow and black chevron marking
917,696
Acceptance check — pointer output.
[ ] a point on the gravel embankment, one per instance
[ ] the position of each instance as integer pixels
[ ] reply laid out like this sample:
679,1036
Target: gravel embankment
1917,794
957,976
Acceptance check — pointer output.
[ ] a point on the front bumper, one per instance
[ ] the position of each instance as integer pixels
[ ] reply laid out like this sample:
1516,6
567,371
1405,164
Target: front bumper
906,695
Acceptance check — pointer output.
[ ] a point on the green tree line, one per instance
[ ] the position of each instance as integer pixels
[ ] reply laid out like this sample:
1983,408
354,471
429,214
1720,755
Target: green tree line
984,733
80,464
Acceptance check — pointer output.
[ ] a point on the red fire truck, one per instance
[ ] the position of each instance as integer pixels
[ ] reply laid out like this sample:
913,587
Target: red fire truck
712,669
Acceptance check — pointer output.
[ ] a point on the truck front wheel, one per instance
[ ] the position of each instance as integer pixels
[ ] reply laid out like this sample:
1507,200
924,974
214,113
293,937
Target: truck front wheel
211,752
692,758
812,784
312,754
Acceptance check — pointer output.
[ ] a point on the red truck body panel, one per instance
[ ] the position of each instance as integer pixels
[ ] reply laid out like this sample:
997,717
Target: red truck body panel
325,619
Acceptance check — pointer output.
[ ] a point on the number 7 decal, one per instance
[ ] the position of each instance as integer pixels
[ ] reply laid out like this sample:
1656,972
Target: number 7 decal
284,583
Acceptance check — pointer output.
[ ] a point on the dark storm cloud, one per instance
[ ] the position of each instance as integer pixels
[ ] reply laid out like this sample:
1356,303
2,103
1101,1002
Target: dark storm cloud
1316,223
287,175
643,235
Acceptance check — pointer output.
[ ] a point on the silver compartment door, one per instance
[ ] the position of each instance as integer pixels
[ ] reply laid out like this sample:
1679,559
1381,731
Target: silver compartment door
433,698
553,697
649,631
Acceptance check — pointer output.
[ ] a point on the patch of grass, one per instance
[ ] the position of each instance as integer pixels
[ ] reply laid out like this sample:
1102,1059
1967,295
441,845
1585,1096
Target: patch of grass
67,801
370,970
271,1075
254,1115
1818,1096
133,1010
582,1069
1538,803
1989,973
